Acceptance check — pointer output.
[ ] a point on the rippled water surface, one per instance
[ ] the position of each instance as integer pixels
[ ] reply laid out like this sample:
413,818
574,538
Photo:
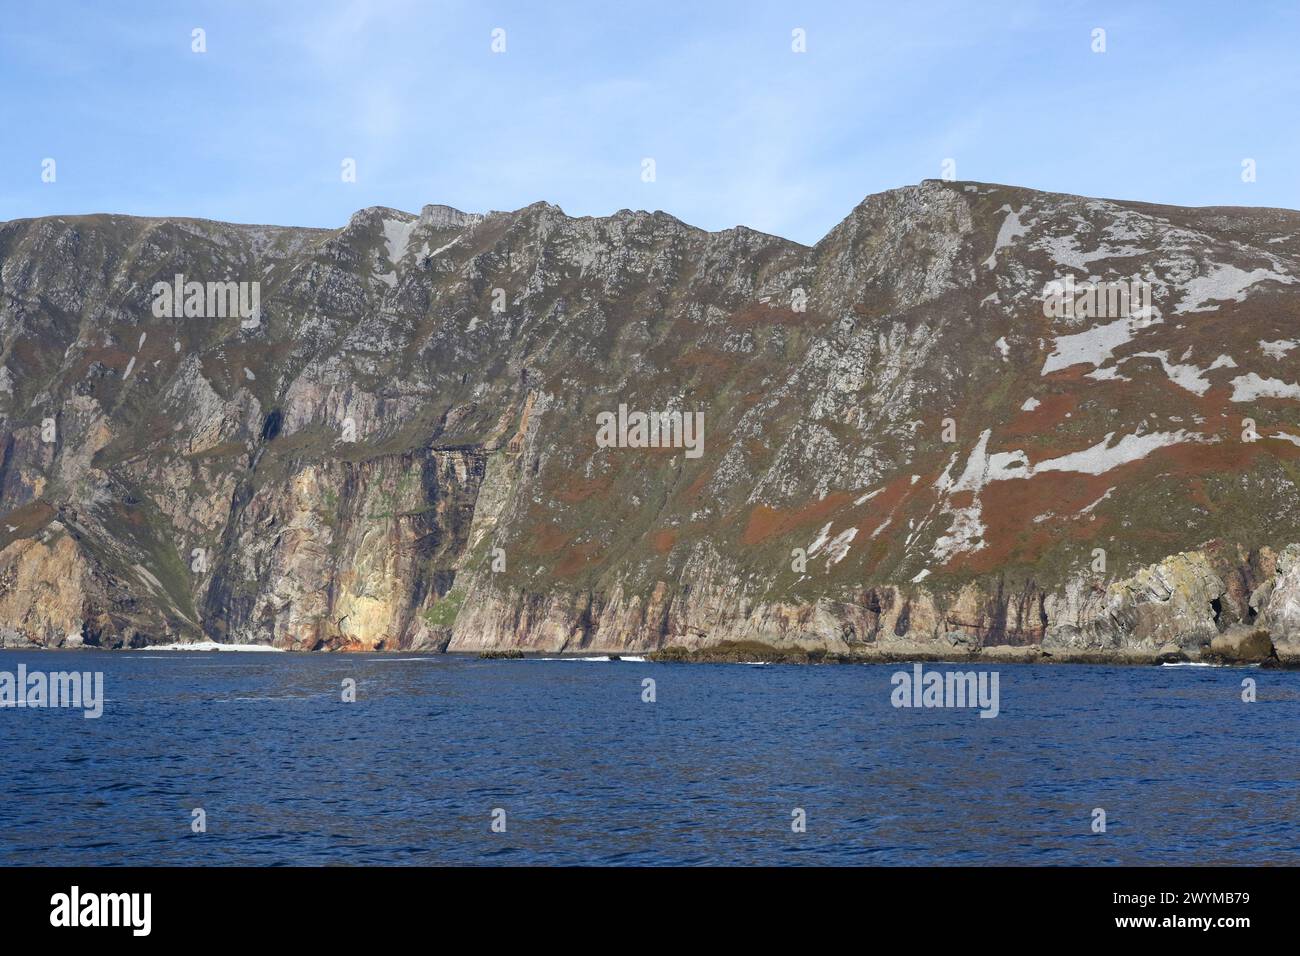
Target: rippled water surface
586,772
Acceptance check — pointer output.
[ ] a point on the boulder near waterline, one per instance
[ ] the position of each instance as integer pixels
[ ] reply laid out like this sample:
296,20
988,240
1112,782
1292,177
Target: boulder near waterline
1242,644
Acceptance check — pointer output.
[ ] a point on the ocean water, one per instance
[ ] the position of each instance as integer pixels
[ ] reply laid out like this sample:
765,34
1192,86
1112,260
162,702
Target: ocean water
586,772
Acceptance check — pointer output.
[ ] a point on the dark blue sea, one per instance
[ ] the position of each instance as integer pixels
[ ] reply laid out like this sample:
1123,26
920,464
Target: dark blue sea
586,772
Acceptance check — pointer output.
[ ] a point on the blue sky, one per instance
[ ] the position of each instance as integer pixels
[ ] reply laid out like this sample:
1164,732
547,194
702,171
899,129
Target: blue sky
742,129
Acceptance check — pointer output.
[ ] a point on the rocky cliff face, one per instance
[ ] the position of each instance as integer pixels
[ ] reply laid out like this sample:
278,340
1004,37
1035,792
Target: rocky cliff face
906,437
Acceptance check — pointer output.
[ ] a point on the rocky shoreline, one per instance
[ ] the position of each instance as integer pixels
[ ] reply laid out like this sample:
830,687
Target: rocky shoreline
1286,656
1211,606
1244,647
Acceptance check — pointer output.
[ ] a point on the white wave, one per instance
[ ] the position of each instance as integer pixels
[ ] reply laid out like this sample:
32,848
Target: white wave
214,646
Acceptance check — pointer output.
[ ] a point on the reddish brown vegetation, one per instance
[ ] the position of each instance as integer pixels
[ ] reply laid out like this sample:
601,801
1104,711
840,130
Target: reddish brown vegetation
765,523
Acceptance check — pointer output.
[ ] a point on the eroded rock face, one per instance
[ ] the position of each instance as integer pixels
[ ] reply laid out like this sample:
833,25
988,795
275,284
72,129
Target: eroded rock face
42,591
1240,644
1172,602
1280,598
902,448
357,555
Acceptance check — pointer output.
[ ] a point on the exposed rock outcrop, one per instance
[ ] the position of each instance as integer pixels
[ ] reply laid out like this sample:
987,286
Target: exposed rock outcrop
1242,645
